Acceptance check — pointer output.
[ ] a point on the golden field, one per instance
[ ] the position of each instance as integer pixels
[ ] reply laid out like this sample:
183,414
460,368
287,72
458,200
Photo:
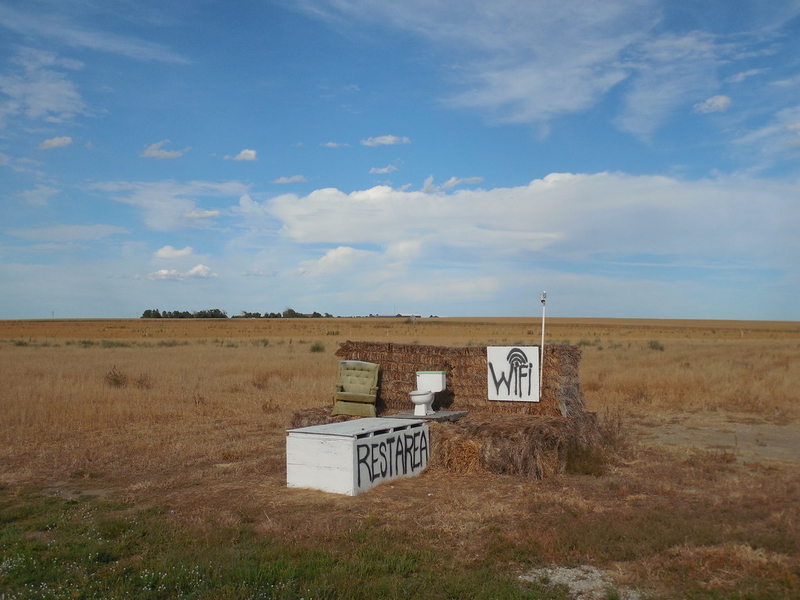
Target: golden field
191,415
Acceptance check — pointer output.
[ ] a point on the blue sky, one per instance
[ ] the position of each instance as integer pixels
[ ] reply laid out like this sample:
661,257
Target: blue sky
634,158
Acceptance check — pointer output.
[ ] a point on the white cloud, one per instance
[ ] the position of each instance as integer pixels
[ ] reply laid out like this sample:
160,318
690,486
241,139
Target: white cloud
774,142
246,154
382,170
55,25
39,196
196,272
456,181
200,272
385,140
742,75
332,145
531,62
292,179
429,187
170,205
170,252
57,142
39,89
249,207
156,151
20,165
669,69
404,250
572,216
713,104
517,61
790,82
201,214
334,261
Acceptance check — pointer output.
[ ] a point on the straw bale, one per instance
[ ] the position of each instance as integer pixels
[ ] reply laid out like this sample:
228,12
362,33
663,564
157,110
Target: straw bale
531,439
533,447
465,369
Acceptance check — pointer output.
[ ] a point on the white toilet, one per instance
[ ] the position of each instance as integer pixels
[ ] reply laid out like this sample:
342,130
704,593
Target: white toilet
428,383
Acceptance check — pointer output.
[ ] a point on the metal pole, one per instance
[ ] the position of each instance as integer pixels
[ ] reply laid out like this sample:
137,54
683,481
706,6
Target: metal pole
543,299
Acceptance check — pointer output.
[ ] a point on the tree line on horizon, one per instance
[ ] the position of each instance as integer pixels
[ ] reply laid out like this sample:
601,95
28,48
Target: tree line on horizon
216,313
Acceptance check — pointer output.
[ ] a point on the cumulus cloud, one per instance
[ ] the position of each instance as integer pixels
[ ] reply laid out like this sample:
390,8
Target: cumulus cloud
197,272
249,207
56,142
170,252
713,104
292,179
156,151
573,216
334,261
385,140
332,145
246,154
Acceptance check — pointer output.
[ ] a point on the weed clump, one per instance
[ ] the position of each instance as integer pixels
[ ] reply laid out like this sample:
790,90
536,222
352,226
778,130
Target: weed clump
116,378
119,379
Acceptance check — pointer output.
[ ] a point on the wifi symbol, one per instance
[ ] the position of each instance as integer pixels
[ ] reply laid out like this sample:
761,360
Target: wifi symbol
517,358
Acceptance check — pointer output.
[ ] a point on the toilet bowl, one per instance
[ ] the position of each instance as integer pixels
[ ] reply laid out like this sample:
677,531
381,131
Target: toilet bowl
428,383
422,400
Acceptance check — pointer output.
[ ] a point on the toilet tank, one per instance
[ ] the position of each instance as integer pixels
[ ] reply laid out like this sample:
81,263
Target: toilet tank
433,381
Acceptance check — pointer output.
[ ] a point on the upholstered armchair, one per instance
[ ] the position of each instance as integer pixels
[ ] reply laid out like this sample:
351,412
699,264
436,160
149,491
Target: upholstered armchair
356,389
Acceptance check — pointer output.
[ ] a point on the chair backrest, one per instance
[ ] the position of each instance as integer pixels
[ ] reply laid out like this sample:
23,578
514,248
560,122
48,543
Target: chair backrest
357,376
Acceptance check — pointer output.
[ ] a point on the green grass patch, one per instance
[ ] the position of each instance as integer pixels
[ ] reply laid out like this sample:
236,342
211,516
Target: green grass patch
88,548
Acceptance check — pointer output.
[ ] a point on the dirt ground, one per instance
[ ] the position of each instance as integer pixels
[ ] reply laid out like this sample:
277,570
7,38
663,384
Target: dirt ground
747,442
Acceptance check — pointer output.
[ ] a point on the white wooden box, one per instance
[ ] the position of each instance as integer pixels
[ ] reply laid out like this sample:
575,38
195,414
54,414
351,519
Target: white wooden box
354,456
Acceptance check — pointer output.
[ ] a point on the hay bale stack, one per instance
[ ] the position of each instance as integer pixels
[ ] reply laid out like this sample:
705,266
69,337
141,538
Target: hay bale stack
534,447
531,439
466,372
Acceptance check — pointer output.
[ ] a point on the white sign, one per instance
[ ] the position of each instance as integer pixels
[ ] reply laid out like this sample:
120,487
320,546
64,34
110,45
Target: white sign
513,373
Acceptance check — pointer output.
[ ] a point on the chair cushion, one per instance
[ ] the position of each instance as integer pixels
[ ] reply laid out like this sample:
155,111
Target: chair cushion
355,397
358,377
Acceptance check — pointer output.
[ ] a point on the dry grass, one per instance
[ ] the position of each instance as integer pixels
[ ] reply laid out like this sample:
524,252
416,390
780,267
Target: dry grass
191,415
